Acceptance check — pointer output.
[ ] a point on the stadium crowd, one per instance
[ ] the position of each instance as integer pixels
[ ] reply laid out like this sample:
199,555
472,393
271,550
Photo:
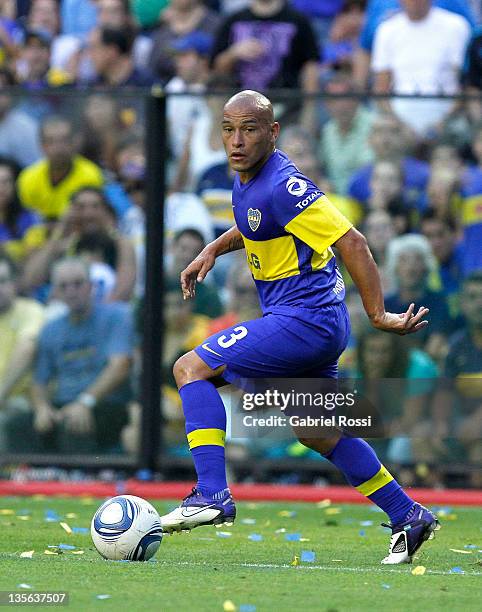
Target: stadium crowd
407,171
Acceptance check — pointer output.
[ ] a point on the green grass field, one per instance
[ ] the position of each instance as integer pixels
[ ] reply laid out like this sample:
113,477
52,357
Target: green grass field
207,569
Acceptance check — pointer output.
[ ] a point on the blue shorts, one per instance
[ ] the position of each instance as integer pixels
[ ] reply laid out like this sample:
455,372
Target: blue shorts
286,343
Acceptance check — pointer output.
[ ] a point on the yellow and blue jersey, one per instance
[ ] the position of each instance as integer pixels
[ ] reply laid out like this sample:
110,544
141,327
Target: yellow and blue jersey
288,226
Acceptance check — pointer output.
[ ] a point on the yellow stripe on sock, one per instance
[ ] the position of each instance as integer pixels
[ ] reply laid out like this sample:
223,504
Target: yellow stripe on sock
201,437
381,478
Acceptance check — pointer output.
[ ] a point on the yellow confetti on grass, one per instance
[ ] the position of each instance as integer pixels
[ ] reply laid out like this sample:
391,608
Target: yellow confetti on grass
296,561
228,606
77,552
66,527
39,497
462,552
28,554
23,517
71,515
51,552
331,511
419,570
86,501
324,503
6,511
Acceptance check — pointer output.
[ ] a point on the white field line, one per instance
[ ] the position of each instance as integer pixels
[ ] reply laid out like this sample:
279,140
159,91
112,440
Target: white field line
336,568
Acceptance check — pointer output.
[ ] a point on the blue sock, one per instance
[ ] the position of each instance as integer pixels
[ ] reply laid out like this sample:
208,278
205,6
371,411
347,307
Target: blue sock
206,431
363,470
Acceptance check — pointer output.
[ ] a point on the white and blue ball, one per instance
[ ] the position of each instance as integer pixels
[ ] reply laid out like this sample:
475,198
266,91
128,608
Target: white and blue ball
126,527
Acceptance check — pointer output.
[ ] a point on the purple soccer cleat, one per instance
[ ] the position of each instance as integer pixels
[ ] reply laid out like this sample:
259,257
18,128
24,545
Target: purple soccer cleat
408,537
197,510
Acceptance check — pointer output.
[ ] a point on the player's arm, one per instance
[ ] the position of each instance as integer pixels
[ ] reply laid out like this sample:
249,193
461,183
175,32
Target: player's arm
196,271
359,262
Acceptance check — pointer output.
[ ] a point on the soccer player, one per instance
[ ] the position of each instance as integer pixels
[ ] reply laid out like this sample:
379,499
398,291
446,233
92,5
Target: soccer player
287,227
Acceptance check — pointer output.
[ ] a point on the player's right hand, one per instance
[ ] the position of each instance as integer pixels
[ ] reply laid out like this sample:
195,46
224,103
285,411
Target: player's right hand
404,323
196,272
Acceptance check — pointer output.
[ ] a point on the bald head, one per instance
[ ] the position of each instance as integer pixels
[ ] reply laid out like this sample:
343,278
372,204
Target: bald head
249,101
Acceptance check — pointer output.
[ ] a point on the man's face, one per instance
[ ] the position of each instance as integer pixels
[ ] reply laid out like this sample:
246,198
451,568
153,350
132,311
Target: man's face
44,15
386,180
440,236
72,286
341,109
111,13
248,137
57,142
186,248
7,287
411,269
416,9
100,54
89,211
37,57
189,66
471,303
385,137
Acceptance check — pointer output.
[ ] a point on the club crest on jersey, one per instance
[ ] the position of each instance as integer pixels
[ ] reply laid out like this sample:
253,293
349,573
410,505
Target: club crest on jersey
254,218
296,186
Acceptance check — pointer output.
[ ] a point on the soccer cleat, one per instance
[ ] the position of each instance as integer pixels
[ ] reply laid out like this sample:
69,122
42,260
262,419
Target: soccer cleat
407,537
197,509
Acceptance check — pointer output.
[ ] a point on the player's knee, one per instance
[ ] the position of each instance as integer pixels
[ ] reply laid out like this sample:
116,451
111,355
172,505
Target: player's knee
186,370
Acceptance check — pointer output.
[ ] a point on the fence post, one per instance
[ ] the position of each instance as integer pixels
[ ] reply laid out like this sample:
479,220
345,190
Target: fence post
152,313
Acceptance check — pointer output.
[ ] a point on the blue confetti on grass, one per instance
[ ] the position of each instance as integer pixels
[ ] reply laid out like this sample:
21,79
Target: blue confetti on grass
51,516
293,537
67,547
247,608
385,586
366,523
80,529
457,570
308,556
255,537
362,533
223,534
471,546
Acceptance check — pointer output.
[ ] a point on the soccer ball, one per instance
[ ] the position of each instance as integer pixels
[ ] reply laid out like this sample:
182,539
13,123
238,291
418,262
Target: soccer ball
126,527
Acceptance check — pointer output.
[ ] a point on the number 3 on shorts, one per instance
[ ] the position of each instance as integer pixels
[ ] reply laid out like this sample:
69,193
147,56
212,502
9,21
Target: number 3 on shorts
238,333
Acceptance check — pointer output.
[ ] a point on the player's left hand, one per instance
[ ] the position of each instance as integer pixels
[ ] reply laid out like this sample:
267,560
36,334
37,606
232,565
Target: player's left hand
196,272
77,418
404,323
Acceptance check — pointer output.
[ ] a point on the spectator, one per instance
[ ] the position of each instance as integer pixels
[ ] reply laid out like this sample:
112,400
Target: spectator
20,229
344,138
79,17
388,142
47,185
449,253
114,14
111,53
378,11
203,146
88,228
458,403
191,53
413,268
215,188
398,380
81,382
34,69
180,18
344,34
472,74
100,129
16,126
10,33
386,193
379,230
186,245
268,45
20,322
420,51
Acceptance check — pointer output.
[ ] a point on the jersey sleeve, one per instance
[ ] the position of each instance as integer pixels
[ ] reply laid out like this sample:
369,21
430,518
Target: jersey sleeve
304,211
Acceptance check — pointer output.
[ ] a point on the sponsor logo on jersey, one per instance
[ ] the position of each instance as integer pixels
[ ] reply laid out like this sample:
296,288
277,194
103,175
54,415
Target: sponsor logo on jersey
254,218
296,186
308,199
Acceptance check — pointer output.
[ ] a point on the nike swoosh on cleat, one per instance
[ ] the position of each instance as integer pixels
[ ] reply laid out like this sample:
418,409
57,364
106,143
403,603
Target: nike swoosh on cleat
206,348
189,515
